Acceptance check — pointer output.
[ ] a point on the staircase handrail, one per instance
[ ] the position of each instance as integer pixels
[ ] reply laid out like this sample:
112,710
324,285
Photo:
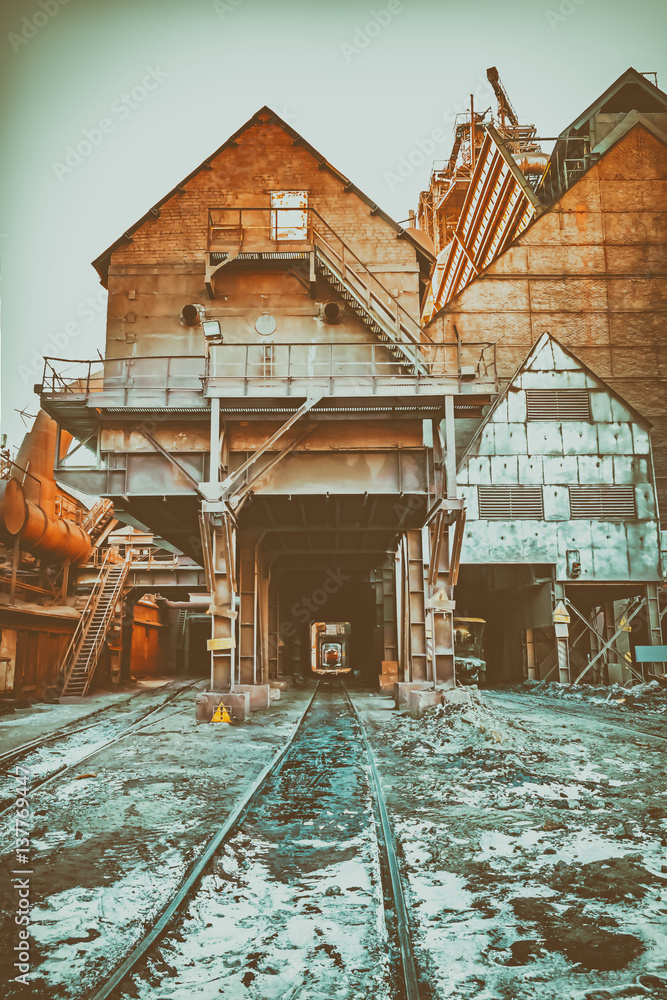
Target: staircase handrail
387,301
103,626
100,513
83,623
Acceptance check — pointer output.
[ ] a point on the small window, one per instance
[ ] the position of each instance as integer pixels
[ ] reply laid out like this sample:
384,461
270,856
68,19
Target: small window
289,215
603,503
504,503
558,404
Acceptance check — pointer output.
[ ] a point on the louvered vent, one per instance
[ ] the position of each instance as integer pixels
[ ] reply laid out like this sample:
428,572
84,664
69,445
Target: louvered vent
507,502
609,503
558,404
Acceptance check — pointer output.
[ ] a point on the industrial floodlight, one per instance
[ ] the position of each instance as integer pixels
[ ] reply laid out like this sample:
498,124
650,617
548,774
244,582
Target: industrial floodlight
212,331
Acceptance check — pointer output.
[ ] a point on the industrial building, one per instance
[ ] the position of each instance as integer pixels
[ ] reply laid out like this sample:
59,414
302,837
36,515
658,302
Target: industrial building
312,412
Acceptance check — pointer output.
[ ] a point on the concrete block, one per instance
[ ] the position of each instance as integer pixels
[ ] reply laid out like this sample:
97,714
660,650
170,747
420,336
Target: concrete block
274,693
281,685
260,696
420,701
387,682
402,690
456,696
390,667
206,703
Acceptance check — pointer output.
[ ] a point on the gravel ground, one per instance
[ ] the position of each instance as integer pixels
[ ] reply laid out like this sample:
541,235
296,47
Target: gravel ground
111,841
533,845
532,842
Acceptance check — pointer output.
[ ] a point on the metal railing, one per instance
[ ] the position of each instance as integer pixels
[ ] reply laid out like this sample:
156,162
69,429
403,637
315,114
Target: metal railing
127,381
297,368
245,368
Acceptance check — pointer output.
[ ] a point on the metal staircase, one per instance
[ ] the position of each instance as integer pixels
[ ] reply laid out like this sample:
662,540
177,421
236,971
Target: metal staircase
81,658
368,297
99,521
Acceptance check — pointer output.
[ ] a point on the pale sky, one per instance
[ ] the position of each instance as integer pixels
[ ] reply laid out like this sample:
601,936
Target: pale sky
365,82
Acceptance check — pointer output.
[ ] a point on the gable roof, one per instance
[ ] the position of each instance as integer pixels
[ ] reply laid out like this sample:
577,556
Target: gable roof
265,116
630,92
631,119
544,342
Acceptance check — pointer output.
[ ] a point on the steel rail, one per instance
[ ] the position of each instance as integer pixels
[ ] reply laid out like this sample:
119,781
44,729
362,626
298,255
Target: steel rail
557,706
136,727
63,732
197,870
410,977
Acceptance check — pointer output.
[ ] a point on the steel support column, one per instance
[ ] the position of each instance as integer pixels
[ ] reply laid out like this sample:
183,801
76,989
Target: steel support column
654,625
219,552
247,609
416,605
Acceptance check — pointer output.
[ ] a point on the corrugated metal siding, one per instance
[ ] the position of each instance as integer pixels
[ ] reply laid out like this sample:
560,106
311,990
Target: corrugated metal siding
498,503
558,404
610,503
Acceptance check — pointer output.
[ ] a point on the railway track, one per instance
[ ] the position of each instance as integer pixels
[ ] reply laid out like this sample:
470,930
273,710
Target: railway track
299,893
138,725
16,753
589,713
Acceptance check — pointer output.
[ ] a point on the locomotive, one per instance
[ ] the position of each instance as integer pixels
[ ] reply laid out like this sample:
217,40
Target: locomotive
330,648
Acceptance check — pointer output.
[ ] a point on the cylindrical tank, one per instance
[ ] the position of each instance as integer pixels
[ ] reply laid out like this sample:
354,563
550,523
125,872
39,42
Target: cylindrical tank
28,509
48,537
531,163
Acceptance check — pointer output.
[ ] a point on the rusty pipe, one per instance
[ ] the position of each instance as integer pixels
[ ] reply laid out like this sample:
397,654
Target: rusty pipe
48,537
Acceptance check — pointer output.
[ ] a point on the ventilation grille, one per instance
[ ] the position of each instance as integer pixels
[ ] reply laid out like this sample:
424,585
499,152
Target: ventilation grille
558,404
610,503
503,503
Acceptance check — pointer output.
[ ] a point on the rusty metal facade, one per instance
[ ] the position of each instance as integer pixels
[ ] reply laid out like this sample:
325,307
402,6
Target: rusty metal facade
271,405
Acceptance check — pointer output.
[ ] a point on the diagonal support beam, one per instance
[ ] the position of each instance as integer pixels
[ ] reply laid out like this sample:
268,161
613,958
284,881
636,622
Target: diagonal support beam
231,479
610,642
243,491
166,454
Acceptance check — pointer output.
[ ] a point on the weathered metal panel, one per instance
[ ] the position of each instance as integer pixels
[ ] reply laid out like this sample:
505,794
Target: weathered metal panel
578,437
645,502
559,469
544,438
595,469
615,439
539,541
556,503
469,496
549,380
510,439
505,542
640,440
355,473
609,550
531,470
505,469
479,470
643,549
516,406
